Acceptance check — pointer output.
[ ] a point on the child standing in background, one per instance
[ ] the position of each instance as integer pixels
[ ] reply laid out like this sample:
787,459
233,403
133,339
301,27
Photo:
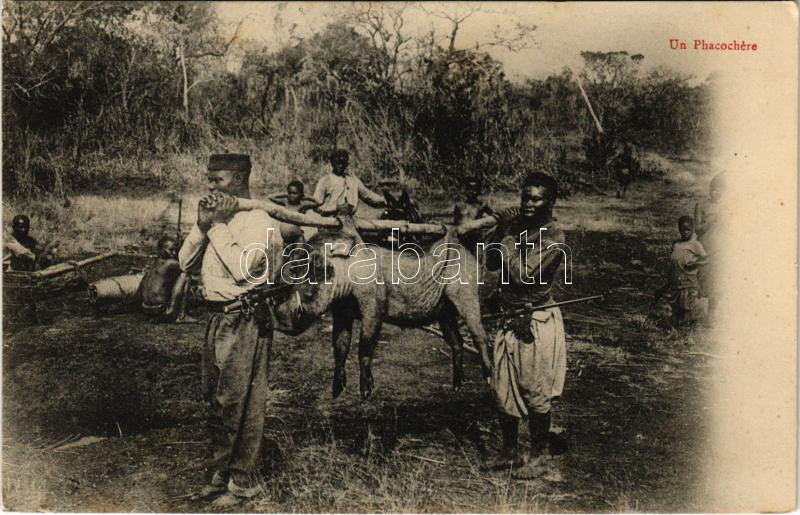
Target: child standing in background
688,255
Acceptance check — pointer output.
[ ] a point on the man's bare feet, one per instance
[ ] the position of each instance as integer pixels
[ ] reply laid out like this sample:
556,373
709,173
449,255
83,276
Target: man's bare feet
226,502
503,462
208,491
535,468
218,486
235,496
186,319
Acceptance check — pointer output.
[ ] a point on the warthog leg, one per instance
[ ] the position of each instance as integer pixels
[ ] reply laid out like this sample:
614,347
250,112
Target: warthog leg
342,334
467,305
370,330
344,313
448,322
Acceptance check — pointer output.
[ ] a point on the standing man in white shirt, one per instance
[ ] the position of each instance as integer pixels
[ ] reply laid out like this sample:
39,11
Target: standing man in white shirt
236,252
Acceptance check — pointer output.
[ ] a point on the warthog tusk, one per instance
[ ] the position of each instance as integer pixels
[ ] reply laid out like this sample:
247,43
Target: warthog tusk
299,301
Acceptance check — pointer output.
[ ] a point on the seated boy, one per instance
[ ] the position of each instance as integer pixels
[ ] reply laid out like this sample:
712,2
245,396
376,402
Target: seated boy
688,255
165,288
294,199
471,208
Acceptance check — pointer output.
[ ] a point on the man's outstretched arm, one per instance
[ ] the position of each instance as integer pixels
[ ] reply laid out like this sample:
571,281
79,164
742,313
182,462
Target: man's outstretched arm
370,197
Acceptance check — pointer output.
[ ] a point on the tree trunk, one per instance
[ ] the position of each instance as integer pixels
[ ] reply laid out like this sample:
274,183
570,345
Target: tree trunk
452,46
79,128
25,180
185,84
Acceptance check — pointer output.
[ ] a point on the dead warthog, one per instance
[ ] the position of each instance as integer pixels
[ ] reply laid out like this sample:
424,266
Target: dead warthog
356,281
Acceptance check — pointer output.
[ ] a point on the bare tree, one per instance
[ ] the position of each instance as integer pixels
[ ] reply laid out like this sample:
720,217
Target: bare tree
515,38
189,31
610,79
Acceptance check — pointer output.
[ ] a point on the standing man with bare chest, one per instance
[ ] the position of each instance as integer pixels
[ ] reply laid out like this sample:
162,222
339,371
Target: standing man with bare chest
236,252
530,350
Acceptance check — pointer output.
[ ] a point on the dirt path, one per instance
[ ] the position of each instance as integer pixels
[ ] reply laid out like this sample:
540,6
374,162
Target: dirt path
633,407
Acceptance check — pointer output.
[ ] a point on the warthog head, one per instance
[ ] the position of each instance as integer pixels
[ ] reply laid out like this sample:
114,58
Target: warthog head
401,208
310,298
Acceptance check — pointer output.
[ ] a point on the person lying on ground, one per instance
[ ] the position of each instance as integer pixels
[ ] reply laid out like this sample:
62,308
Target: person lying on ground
165,288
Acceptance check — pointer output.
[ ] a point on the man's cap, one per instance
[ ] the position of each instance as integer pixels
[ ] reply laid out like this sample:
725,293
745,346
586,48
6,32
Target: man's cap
233,162
339,154
21,220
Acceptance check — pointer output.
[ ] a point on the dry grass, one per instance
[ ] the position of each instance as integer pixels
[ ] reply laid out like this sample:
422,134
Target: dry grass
25,488
95,223
98,223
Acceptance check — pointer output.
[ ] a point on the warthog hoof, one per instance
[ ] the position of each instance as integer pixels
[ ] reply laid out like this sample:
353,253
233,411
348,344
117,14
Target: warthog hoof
339,383
367,385
457,383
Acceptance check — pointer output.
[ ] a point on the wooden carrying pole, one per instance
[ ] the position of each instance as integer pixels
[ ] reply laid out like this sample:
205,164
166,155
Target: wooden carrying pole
67,267
314,220
287,215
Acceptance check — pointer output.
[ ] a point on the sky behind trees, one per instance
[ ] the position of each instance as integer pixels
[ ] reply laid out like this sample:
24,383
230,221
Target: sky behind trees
563,30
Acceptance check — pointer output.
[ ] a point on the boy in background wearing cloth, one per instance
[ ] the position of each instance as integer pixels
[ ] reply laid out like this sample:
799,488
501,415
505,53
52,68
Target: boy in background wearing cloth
26,254
294,199
688,255
471,208
706,220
